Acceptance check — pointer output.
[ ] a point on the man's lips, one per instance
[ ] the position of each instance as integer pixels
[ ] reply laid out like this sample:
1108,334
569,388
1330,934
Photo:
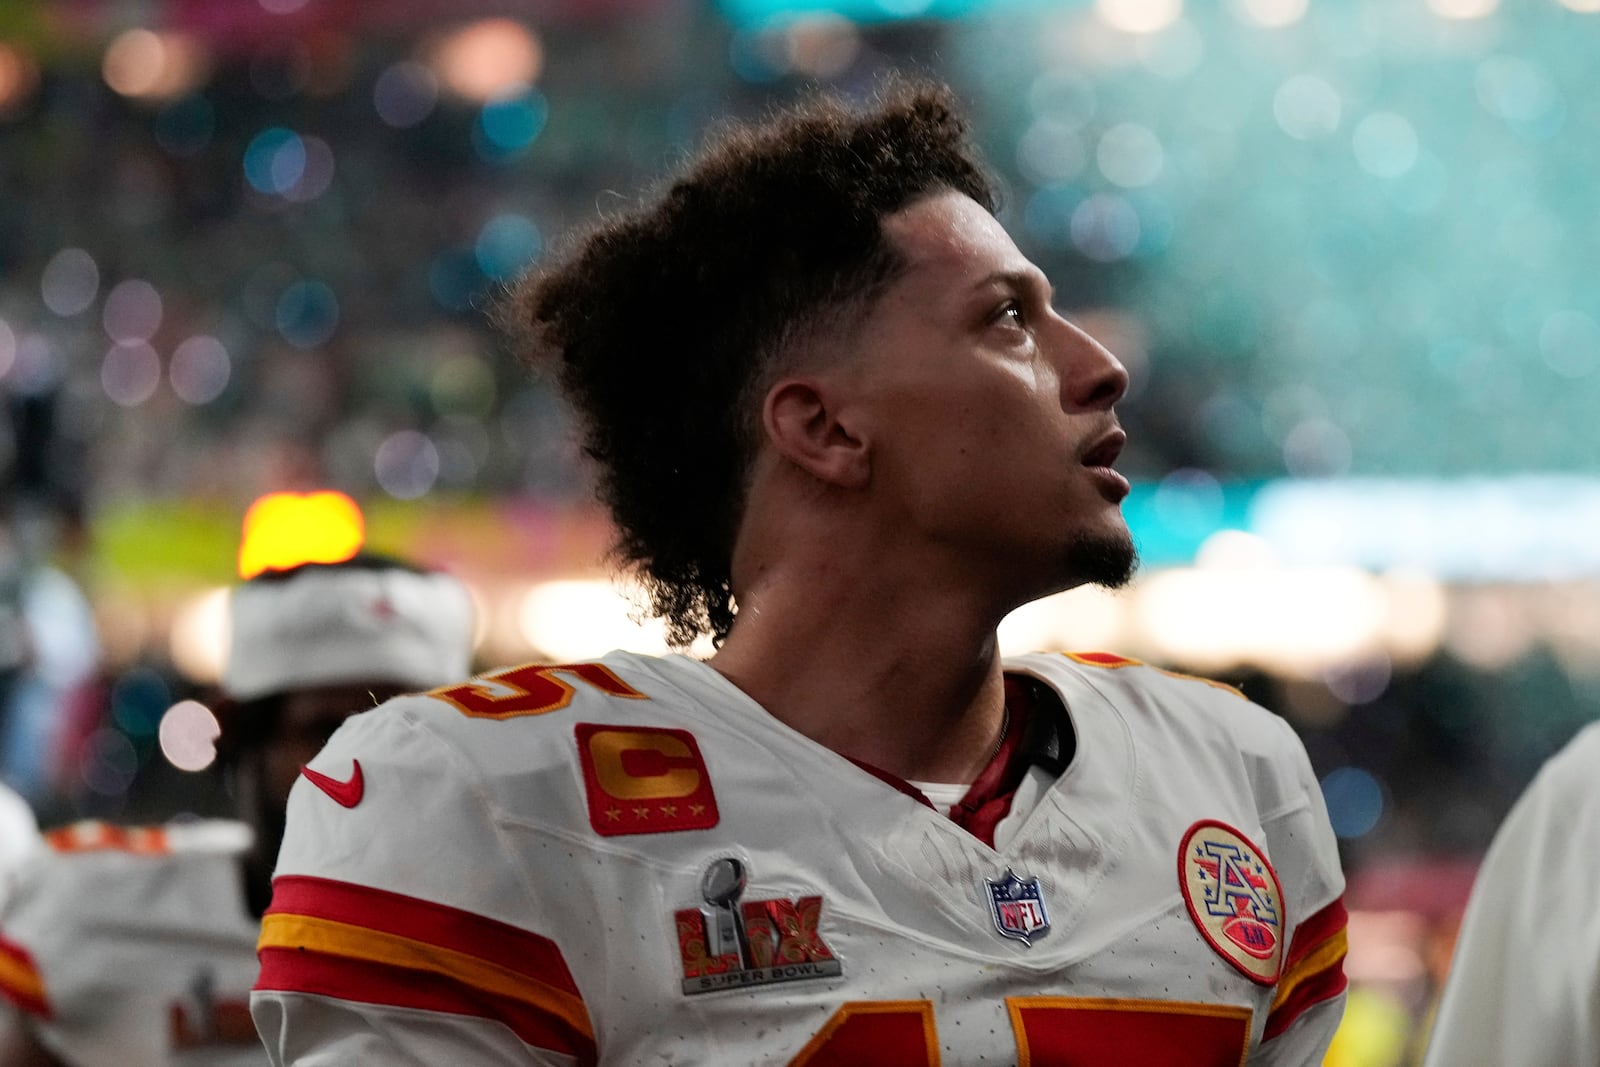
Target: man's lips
1101,455
1104,452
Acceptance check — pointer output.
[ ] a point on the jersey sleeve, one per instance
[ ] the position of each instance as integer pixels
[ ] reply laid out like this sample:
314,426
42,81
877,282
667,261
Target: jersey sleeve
400,931
1309,998
1523,985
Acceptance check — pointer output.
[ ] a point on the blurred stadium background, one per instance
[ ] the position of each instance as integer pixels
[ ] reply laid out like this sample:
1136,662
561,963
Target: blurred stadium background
1346,247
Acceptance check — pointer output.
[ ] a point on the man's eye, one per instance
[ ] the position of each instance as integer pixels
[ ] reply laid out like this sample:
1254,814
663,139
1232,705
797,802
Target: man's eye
1012,311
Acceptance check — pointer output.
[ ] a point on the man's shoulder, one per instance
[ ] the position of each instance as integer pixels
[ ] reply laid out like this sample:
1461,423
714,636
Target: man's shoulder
1188,714
1134,682
523,741
530,695
519,711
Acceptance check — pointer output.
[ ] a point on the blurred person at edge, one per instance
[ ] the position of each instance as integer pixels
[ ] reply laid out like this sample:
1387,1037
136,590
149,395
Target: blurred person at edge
823,383
1524,983
19,837
137,946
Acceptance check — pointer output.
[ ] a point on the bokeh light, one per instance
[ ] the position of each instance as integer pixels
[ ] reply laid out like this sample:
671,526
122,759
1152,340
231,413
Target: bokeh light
316,171
1270,13
1129,155
19,78
307,313
405,93
407,464
70,282
1105,227
199,369
147,65
1361,680
487,59
275,160
1385,144
139,698
506,245
1052,150
1139,16
197,641
130,373
188,735
1463,9
132,311
509,125
463,386
1355,801
1307,107
108,763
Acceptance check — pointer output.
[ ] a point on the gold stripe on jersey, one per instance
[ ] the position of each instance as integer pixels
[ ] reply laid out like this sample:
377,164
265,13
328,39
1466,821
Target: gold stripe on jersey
287,931
1315,962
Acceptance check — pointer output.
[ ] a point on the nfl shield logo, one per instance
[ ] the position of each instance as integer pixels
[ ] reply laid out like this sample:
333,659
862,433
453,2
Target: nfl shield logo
1017,907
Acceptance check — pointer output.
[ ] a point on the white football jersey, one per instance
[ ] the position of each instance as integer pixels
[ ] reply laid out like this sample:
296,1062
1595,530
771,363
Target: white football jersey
1524,987
631,862
132,947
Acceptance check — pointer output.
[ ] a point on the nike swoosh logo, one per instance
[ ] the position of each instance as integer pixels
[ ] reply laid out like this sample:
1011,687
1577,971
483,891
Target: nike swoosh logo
347,794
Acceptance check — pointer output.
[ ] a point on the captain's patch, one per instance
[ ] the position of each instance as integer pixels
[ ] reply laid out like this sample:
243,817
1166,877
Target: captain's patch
644,780
1234,898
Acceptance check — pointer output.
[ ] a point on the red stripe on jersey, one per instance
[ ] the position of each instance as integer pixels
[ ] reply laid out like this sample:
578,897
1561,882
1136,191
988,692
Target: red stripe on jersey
20,981
1314,931
1313,971
370,982
1309,993
423,920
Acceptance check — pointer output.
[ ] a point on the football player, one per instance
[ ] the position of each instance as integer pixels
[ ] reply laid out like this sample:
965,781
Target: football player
1524,986
842,430
135,947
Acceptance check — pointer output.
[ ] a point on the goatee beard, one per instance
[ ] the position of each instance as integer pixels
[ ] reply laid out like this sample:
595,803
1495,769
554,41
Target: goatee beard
1107,560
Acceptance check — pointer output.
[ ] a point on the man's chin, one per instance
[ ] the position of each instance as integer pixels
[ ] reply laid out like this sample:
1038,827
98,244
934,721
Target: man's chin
1103,559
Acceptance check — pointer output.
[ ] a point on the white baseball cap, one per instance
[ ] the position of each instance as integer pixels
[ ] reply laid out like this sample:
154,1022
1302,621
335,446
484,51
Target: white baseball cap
347,625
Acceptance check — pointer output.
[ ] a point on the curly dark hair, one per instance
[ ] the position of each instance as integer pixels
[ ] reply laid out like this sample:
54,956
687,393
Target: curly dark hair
667,323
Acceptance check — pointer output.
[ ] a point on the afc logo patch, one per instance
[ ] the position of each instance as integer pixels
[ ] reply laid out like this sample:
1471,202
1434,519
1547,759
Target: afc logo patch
644,780
1234,898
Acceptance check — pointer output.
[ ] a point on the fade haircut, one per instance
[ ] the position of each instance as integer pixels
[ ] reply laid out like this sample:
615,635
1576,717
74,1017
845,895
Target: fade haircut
666,324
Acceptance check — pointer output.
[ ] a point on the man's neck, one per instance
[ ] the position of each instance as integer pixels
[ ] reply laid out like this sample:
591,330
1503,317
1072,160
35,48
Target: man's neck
907,682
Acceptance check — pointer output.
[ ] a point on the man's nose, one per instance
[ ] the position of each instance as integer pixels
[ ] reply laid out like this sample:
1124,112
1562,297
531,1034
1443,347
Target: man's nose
1092,379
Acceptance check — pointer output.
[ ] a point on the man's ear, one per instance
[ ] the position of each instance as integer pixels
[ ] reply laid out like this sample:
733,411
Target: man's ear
804,422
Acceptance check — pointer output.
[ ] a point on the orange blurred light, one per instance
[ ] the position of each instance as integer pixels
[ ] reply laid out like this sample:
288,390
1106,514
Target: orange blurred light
19,76
283,530
488,59
147,65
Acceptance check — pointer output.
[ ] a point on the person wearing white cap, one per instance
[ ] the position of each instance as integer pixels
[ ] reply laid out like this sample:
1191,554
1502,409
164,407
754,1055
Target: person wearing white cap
137,946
